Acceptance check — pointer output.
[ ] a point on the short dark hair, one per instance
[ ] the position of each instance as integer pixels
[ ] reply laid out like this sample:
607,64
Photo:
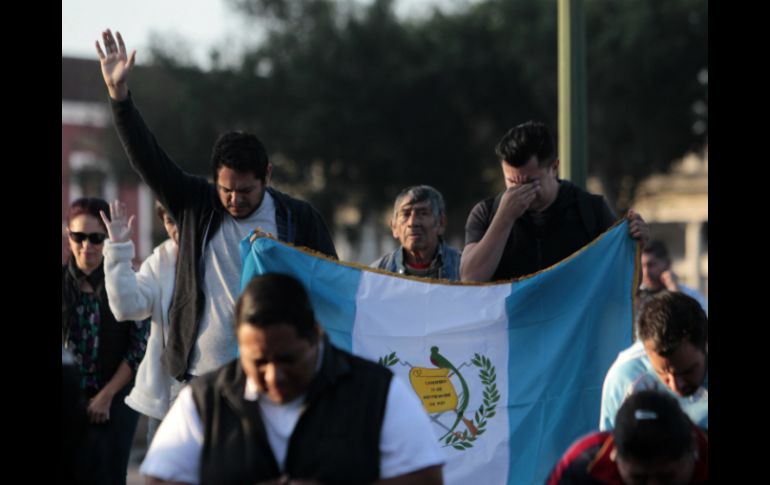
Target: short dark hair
89,206
421,193
275,298
669,318
657,249
524,141
651,426
239,151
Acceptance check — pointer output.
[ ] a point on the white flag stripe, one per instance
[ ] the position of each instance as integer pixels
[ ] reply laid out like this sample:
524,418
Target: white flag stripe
409,318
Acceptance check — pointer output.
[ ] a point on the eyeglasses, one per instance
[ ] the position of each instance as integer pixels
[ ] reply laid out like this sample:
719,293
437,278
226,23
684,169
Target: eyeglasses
93,237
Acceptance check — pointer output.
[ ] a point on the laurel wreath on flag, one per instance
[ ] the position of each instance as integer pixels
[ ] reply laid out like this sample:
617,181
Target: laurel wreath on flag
463,441
388,360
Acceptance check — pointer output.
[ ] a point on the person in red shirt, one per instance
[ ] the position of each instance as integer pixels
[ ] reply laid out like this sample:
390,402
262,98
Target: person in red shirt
654,442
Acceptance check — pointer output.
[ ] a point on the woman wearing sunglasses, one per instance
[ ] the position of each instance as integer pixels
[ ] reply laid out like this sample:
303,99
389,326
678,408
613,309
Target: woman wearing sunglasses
106,351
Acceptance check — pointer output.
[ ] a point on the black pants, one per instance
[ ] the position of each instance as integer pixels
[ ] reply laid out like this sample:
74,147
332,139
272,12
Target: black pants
110,442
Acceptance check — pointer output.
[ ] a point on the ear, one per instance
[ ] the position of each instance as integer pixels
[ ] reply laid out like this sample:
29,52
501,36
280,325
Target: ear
442,220
268,173
393,228
555,166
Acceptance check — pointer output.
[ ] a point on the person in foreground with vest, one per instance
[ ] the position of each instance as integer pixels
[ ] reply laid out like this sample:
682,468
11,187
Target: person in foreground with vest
654,442
538,220
418,223
293,408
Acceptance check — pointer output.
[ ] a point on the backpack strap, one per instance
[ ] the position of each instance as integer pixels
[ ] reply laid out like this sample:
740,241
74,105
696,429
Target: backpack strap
589,206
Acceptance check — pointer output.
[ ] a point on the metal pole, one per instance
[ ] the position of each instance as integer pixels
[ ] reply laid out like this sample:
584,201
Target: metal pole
573,141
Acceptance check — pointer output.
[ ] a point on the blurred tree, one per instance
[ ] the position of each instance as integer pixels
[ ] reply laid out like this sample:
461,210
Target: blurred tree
646,101
354,103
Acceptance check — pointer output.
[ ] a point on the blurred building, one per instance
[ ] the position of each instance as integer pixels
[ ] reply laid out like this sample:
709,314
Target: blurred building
87,170
676,207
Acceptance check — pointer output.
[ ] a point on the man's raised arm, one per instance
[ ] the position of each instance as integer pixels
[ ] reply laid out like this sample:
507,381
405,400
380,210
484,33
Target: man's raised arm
116,64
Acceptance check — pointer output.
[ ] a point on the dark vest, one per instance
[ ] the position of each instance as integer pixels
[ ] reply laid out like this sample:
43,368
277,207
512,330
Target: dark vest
336,440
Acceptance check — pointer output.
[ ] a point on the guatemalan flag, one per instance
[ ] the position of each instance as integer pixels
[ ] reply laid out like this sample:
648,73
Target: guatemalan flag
510,373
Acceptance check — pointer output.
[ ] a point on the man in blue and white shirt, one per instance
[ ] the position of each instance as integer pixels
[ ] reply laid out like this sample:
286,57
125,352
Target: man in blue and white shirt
671,354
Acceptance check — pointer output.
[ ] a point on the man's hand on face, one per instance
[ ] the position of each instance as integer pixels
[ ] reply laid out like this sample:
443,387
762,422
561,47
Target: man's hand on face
670,280
518,198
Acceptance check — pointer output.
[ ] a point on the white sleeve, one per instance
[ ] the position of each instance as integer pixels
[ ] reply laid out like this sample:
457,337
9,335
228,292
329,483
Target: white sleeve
407,441
175,452
130,295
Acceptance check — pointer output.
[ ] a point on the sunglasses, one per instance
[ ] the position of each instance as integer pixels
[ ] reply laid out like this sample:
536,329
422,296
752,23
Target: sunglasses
93,237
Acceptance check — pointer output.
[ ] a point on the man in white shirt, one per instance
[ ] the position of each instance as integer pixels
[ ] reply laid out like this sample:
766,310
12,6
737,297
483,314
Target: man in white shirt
212,219
293,407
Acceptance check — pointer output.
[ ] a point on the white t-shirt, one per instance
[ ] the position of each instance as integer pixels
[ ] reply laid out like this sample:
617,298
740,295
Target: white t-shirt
407,441
216,344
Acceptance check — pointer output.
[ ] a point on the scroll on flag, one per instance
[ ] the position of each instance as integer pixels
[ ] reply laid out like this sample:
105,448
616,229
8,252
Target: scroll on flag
509,373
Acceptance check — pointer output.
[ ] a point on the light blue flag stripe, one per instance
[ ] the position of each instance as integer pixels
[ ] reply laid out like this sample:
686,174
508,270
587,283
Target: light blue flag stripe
332,291
566,326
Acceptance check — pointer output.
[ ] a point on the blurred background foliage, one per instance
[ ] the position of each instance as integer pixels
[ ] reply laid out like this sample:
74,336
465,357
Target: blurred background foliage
354,103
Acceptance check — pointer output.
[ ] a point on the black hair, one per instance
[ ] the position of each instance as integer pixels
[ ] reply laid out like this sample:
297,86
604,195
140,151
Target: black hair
670,318
275,298
650,426
657,249
524,141
241,152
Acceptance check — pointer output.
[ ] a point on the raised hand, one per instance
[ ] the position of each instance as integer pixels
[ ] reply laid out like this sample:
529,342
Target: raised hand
119,228
116,64
670,280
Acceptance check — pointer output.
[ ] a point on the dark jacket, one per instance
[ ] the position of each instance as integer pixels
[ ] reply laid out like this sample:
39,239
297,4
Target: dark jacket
336,440
573,220
194,204
447,257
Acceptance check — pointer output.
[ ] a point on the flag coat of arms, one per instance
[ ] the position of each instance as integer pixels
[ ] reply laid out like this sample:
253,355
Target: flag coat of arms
510,373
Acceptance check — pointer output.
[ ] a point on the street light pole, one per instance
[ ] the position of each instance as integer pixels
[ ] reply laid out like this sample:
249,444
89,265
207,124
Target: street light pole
573,141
